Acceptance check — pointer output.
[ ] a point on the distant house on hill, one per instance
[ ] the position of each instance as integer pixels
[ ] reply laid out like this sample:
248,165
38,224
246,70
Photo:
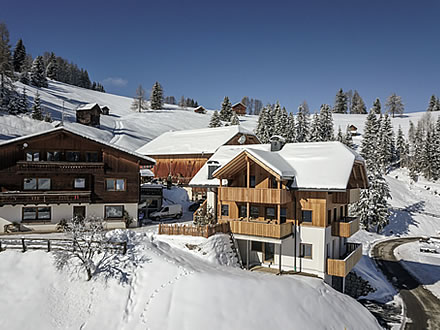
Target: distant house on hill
239,108
200,109
352,129
89,114
105,110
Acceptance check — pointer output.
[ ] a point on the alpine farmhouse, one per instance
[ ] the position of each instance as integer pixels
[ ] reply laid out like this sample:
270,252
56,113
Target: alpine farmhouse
60,173
287,205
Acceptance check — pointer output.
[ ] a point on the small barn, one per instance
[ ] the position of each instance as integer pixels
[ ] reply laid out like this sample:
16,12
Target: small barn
89,114
105,110
200,109
353,129
239,108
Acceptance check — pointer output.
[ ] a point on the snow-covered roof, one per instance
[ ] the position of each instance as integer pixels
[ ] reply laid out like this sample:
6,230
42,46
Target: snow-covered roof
196,141
146,172
238,103
76,132
88,106
314,166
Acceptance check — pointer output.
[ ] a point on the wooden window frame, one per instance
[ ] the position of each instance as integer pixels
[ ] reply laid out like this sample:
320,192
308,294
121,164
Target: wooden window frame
115,180
85,183
302,249
33,153
113,218
250,211
38,184
281,216
54,151
73,161
91,152
274,213
250,181
36,212
240,209
302,216
221,210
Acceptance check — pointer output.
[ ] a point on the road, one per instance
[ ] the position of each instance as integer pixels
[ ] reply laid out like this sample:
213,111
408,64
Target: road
422,307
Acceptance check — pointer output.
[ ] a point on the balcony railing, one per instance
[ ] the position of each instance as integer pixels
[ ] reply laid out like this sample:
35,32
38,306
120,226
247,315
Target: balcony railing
66,167
259,228
49,197
345,227
255,195
342,266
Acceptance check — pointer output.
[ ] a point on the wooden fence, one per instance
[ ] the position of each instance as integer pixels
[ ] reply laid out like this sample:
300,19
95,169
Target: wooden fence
54,244
190,230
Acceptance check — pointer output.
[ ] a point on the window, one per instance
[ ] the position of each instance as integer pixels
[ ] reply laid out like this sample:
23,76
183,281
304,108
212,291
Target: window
273,183
342,211
114,211
36,184
256,246
53,156
79,212
270,213
242,211
306,251
73,156
307,216
115,184
225,210
335,214
255,212
92,157
269,251
329,216
36,213
283,215
79,183
252,181
32,156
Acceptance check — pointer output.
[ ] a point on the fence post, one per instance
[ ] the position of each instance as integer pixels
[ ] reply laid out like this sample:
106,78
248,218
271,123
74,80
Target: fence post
23,244
124,244
48,245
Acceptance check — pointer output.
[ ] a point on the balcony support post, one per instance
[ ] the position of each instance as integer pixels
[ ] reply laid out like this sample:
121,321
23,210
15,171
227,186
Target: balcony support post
279,258
247,254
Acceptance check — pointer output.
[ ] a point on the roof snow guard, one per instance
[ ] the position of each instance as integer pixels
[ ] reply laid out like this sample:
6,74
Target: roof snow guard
308,166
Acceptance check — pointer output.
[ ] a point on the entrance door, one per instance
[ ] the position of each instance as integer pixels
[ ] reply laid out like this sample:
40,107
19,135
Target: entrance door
79,211
269,250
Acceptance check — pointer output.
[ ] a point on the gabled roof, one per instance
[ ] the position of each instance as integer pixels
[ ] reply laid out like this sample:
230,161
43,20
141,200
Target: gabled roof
238,103
150,161
196,141
310,166
88,106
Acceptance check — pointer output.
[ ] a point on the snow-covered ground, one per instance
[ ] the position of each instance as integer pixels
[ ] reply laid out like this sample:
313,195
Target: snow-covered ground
169,283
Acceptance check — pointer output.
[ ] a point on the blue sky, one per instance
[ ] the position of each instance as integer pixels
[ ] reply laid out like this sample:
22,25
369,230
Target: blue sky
272,50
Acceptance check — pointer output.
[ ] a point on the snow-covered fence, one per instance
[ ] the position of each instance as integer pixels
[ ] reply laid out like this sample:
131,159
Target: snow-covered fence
190,230
53,244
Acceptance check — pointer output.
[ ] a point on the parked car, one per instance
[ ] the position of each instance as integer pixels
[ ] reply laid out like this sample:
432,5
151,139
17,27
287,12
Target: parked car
169,211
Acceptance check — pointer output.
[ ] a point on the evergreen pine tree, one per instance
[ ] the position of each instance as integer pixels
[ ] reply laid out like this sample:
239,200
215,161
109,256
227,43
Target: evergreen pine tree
437,105
326,123
235,120
339,136
19,56
47,117
369,141
432,103
226,110
400,148
357,104
302,124
38,77
428,165
290,134
340,102
385,146
37,113
262,131
156,98
377,107
348,138
411,132
215,120
52,69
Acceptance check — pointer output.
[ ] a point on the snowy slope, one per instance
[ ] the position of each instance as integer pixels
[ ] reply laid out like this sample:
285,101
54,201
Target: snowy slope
170,287
131,129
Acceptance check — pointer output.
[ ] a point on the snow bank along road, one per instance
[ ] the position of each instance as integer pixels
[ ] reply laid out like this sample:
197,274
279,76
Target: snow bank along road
421,305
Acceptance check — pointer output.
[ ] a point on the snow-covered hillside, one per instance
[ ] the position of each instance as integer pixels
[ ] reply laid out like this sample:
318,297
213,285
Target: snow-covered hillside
169,286
130,129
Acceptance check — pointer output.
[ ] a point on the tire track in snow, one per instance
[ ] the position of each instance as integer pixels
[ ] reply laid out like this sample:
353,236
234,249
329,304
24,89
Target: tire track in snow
117,132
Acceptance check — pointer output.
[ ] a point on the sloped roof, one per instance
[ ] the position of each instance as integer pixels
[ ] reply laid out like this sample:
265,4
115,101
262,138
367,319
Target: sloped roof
316,165
238,103
78,133
196,141
88,106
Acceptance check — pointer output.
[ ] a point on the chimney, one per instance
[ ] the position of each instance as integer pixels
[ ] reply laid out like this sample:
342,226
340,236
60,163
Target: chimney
212,166
277,143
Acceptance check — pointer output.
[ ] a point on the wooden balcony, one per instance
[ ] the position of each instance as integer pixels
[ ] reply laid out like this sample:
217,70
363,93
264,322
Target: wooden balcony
259,228
65,167
345,227
342,266
255,195
47,197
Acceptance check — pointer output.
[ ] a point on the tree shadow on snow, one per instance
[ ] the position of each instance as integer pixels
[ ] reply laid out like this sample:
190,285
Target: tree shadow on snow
401,219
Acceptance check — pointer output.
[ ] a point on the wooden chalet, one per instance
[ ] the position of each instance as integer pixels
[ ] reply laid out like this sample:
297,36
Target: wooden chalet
353,129
105,110
287,206
60,173
182,154
89,114
200,109
239,108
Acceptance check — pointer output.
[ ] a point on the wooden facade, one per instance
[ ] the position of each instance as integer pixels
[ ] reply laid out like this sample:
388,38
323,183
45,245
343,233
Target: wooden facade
239,108
105,110
65,157
183,167
89,115
342,266
200,109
